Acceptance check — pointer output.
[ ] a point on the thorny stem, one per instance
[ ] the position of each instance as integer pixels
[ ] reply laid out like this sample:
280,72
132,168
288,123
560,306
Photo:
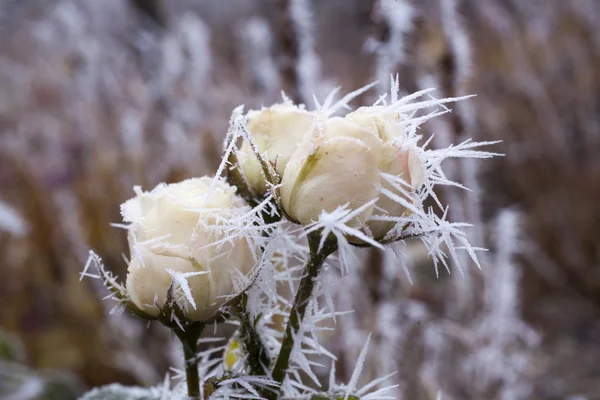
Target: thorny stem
258,359
303,296
189,340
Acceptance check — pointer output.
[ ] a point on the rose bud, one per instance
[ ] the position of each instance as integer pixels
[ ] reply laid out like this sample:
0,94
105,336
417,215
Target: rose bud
395,160
169,234
336,164
276,131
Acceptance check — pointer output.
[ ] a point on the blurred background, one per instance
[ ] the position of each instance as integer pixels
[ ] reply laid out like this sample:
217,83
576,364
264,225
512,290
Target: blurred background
98,96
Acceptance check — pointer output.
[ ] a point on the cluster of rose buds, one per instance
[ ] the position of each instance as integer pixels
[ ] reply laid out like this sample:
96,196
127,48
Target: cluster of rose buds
210,249
327,162
323,163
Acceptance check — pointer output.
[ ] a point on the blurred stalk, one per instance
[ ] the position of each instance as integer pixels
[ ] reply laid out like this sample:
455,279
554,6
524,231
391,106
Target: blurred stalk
288,43
152,10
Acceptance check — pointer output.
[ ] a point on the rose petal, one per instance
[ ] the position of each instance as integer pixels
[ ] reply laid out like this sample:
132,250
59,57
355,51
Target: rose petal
343,170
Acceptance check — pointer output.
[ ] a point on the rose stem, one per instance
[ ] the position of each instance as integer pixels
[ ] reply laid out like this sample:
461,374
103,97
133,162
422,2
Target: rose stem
189,340
303,296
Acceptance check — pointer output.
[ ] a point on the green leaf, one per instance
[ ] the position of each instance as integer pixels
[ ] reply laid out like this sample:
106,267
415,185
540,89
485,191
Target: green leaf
57,390
337,396
10,348
19,381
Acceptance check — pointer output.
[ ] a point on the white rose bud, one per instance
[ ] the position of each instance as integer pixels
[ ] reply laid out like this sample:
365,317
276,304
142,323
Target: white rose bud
333,166
394,160
169,231
276,131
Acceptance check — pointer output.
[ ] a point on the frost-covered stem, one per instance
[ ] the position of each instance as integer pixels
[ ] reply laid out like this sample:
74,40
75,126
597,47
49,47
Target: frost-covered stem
258,359
303,296
189,341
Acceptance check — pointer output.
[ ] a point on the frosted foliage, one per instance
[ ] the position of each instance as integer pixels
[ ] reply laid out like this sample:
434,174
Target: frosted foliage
95,100
382,318
186,56
256,47
281,249
181,64
398,16
93,57
308,67
503,358
503,342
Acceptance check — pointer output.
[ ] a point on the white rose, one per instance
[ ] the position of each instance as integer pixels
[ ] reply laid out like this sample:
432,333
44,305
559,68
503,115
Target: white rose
276,131
394,160
169,231
333,166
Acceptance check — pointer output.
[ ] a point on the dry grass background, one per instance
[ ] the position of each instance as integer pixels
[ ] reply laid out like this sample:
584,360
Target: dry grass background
98,96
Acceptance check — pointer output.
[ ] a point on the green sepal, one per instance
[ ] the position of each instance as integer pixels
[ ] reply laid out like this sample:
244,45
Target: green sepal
334,396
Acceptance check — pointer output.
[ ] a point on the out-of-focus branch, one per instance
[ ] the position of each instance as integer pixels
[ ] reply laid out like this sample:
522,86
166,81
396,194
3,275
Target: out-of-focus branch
151,10
289,48
299,65
392,21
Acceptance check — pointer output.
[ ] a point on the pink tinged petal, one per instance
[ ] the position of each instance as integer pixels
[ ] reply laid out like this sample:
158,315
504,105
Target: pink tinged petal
395,161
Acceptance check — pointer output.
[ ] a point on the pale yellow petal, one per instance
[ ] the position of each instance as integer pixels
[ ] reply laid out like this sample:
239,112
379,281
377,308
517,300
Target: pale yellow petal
342,127
175,213
379,121
296,164
276,131
150,279
343,170
282,127
225,261
415,168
